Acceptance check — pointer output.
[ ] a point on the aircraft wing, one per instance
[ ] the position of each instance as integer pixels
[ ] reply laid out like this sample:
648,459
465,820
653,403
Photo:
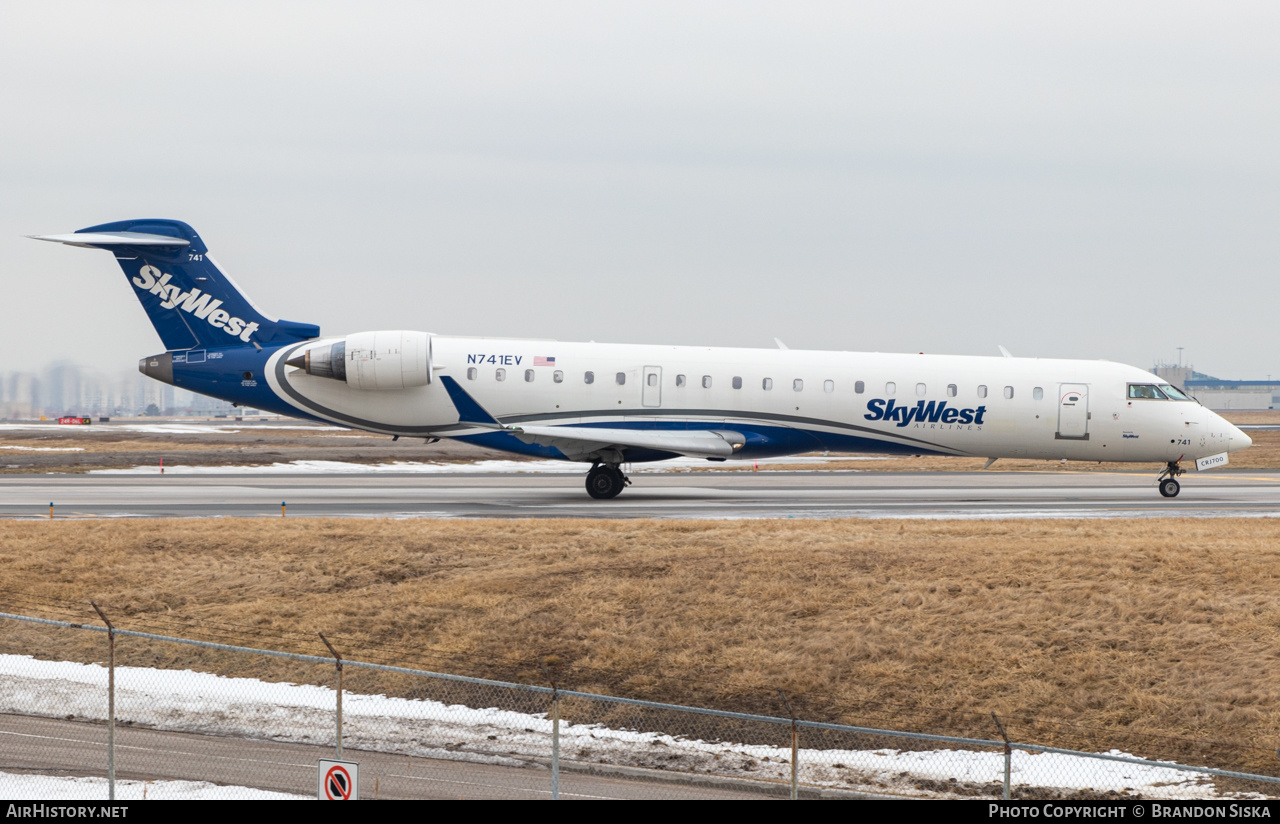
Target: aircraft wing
581,441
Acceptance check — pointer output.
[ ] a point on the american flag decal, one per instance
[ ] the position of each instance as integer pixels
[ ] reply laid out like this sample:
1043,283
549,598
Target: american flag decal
539,360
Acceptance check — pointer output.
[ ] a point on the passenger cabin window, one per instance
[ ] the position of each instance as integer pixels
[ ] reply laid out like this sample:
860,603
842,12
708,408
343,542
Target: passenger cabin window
797,385
652,379
557,376
921,389
951,390
859,387
1146,391
1008,392
679,380
706,381
471,373
1037,394
767,383
589,377
828,386
737,382
528,376
890,388
621,378
982,391
500,374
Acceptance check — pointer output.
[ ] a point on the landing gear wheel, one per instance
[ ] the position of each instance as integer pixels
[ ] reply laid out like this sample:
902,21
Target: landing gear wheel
604,482
1168,480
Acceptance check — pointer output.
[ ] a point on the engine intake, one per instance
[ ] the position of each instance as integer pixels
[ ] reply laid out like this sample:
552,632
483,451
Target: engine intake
377,361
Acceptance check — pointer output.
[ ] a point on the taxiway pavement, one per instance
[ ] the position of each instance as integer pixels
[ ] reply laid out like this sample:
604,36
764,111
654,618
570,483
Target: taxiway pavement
773,494
46,746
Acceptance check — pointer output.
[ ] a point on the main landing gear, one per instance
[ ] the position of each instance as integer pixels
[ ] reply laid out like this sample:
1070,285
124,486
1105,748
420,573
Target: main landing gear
1168,480
606,481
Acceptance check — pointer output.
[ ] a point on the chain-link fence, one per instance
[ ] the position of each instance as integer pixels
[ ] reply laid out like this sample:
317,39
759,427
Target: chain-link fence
152,719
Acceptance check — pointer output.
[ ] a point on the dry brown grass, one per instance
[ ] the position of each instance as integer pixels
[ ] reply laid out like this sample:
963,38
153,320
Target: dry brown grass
73,450
1248,416
94,447
1155,627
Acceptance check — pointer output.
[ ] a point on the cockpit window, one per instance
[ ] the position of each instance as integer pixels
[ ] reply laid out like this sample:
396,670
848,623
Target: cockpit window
1146,391
1174,392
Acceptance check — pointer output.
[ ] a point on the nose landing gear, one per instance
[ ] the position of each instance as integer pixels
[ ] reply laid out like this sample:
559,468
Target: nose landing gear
1168,480
606,481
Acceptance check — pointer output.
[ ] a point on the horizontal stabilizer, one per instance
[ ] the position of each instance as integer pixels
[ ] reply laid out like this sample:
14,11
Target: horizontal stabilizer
90,240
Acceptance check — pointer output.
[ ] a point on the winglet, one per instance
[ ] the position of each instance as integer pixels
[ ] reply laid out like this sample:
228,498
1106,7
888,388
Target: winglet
469,411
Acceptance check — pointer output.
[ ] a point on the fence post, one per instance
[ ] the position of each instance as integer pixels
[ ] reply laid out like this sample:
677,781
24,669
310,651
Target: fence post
337,658
795,748
1008,755
555,732
111,702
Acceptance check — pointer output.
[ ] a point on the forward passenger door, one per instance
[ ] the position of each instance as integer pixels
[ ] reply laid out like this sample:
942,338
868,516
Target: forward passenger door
1073,411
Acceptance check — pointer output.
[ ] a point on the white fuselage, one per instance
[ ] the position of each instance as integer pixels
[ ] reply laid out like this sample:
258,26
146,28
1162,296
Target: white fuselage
790,401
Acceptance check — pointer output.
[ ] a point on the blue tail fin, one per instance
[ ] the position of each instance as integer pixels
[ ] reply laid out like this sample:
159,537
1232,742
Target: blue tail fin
190,301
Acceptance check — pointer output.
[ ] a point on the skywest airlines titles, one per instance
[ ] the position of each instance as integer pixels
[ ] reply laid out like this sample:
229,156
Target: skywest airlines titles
922,412
149,279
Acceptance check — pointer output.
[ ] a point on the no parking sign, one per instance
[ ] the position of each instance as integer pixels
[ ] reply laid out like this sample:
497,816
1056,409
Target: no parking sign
338,781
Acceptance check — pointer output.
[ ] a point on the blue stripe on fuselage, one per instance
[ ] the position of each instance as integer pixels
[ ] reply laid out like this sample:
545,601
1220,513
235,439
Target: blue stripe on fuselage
221,375
761,441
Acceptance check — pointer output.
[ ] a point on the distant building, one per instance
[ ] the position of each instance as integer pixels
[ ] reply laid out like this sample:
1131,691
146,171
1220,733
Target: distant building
1217,393
64,388
21,395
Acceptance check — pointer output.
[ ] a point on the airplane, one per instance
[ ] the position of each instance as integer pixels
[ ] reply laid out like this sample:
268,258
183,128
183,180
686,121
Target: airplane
609,405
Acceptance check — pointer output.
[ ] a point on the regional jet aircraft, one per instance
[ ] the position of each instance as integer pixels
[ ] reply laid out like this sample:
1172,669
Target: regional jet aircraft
608,405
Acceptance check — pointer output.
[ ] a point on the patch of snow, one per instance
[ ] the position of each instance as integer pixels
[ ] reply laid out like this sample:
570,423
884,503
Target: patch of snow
187,701
19,787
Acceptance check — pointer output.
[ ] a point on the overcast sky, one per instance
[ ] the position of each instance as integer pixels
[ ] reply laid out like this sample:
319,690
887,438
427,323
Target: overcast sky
1068,180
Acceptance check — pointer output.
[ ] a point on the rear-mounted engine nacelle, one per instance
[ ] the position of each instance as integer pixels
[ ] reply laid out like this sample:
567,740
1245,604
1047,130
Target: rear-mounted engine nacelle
371,360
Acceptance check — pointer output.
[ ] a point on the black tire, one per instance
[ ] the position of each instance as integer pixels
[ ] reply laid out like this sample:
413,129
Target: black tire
1170,488
604,482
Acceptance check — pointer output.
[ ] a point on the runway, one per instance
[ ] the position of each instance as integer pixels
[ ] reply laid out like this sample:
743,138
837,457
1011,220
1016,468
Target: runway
818,494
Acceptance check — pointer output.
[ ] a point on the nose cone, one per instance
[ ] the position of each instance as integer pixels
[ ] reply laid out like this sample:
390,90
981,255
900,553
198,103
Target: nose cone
1237,440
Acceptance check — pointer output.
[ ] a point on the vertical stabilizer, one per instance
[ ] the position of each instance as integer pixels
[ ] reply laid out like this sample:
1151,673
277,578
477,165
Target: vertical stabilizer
190,301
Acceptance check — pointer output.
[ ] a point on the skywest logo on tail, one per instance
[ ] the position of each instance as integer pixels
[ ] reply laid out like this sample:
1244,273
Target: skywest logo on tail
923,412
150,279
